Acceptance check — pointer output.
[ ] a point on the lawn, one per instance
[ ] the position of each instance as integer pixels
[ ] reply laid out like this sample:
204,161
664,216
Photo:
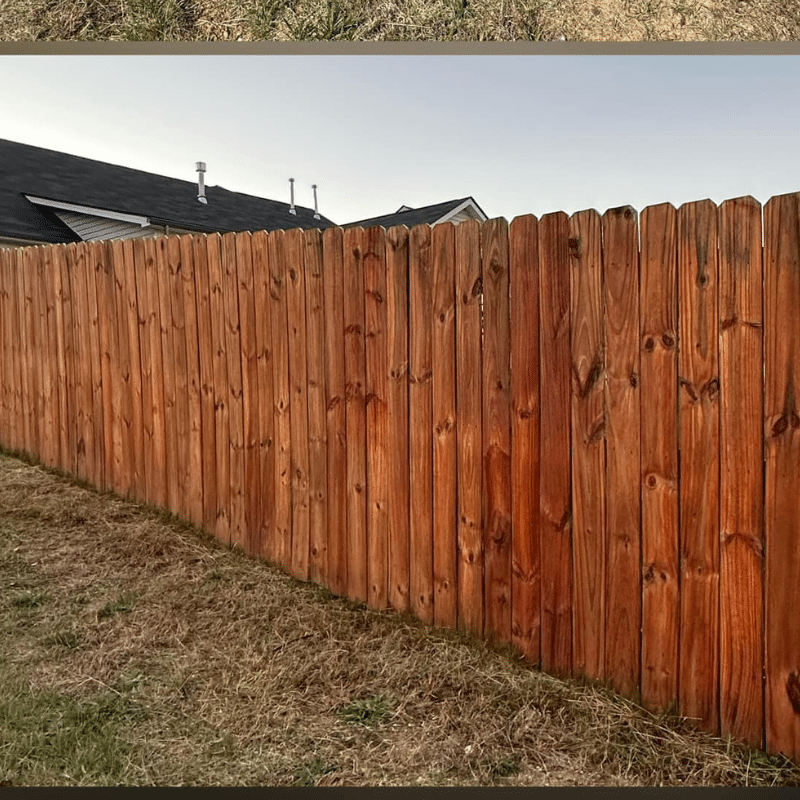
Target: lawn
136,650
382,20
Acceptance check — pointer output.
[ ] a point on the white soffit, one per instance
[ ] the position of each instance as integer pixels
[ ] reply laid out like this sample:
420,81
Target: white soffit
97,212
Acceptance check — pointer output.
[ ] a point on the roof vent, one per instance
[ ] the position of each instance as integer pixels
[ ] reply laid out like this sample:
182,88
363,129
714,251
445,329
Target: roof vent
316,211
292,209
200,166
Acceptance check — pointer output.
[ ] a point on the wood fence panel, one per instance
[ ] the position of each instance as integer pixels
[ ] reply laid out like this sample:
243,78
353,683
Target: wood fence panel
658,318
49,356
741,471
266,397
134,350
377,373
282,517
233,351
420,400
588,445
698,342
443,364
526,576
250,396
496,447
356,418
469,402
317,418
96,263
34,296
207,359
179,361
397,411
336,426
623,417
782,451
222,434
194,448
122,443
165,275
298,377
104,299
555,492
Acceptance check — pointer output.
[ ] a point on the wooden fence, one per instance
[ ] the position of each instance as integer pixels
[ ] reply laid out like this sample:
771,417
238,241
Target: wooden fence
579,435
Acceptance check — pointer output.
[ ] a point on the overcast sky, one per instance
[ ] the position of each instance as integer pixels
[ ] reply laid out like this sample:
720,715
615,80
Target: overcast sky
520,134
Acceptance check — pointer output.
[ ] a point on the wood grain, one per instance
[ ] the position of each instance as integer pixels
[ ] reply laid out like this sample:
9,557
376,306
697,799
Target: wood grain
698,397
782,453
741,471
397,413
443,364
623,416
469,394
555,493
526,576
420,402
590,548
266,396
377,374
496,445
356,416
335,421
298,377
658,319
317,418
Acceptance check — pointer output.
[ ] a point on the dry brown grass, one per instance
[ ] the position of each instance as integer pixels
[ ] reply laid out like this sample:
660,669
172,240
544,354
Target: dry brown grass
380,20
136,650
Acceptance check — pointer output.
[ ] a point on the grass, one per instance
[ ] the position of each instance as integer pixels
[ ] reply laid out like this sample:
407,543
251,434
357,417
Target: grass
136,650
397,20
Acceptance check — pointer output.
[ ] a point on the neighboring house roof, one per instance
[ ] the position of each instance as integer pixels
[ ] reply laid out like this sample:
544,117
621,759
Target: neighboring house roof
90,186
453,210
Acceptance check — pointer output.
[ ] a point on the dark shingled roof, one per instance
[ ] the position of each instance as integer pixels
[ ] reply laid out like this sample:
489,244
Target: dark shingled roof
25,169
414,216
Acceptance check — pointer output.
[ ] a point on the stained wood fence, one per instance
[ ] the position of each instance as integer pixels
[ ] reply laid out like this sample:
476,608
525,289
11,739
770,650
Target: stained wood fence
577,434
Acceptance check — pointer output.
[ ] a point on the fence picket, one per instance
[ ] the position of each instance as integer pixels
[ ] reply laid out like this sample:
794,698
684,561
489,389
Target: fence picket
741,470
250,397
698,393
623,496
335,397
298,377
782,455
355,416
526,574
377,373
658,319
266,399
397,412
496,446
420,402
317,420
588,445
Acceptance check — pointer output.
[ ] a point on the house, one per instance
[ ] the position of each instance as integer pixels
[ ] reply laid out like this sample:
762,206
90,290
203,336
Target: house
454,211
49,197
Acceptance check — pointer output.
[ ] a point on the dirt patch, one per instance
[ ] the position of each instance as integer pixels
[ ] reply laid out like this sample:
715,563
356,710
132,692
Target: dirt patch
136,650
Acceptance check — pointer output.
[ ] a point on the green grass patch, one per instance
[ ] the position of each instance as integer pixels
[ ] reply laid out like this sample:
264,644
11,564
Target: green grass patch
122,605
369,711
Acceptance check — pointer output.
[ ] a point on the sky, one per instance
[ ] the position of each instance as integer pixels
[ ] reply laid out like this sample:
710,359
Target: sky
520,134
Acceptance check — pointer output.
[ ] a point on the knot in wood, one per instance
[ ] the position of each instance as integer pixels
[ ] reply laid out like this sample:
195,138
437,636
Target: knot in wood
667,340
650,344
574,247
477,287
